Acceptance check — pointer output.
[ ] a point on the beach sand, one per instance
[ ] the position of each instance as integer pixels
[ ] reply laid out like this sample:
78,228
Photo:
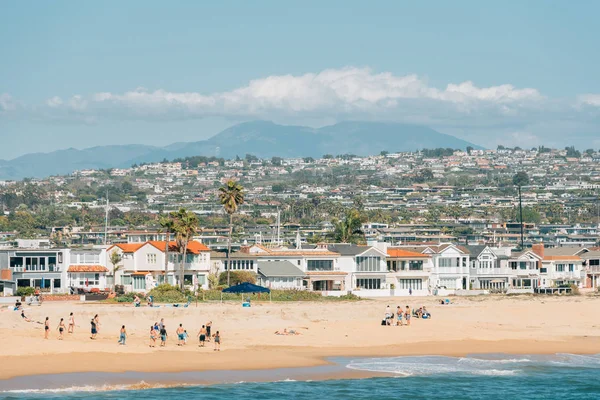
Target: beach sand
493,324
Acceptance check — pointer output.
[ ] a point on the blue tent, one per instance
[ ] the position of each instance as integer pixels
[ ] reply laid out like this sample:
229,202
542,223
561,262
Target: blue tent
246,287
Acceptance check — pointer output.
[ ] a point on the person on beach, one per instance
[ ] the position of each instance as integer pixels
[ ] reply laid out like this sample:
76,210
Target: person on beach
180,335
161,324
61,328
153,334
94,329
18,305
71,323
208,326
156,327
399,314
202,336
407,316
185,336
217,341
97,321
123,335
24,317
163,336
46,327
388,315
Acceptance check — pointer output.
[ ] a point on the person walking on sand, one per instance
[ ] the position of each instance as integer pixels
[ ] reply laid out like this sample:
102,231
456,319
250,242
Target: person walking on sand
46,327
123,335
208,327
407,316
180,335
399,314
97,321
153,336
163,336
71,323
217,341
202,336
61,328
161,324
94,329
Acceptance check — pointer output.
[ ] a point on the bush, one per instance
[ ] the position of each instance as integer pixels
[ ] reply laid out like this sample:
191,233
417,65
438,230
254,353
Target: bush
119,290
25,291
237,277
128,297
575,290
276,295
166,293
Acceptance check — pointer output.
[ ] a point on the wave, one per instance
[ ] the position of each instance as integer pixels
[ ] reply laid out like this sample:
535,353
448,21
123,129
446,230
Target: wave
486,365
100,388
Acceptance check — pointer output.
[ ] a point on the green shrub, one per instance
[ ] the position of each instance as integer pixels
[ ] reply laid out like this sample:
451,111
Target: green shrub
237,277
25,291
276,295
166,293
575,290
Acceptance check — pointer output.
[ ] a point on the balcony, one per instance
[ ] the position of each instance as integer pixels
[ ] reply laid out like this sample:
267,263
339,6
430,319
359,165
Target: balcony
36,268
593,269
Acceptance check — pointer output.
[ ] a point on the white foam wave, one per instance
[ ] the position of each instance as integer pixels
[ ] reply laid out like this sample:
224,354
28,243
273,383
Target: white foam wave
496,365
91,388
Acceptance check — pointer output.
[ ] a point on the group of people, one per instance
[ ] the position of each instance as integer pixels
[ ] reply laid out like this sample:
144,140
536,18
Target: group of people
159,331
60,327
399,316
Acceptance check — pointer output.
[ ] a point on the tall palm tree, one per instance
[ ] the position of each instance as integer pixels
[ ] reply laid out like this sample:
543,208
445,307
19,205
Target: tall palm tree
185,227
349,229
519,180
167,225
231,196
115,260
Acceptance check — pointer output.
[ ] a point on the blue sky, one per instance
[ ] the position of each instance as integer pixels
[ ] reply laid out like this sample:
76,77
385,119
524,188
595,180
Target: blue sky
79,74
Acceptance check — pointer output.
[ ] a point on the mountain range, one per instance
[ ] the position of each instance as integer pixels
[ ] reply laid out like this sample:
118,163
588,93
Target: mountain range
263,139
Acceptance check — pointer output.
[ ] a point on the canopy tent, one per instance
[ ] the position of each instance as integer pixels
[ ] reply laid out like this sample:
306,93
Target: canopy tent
246,287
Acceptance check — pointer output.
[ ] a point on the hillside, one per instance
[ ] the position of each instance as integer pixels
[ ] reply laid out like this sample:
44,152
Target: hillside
261,138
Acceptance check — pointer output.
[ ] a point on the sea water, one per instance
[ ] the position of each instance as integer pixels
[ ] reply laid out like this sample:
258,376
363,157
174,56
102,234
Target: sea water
560,376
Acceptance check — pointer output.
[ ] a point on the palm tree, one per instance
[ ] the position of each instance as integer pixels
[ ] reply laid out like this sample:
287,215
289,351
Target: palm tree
231,196
185,227
349,229
167,225
115,260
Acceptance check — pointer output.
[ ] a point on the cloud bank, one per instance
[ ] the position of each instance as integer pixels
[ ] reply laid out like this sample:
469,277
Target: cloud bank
338,94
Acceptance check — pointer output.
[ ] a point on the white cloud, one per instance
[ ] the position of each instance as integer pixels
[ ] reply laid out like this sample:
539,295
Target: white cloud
589,99
332,91
54,101
7,103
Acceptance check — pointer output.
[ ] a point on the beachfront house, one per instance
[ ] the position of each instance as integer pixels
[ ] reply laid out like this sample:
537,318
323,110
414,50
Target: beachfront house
280,275
143,265
87,269
38,268
591,265
365,266
489,269
409,271
525,269
450,265
320,265
561,266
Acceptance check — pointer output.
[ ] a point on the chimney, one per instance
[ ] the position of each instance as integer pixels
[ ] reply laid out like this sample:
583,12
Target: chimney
6,274
245,249
538,249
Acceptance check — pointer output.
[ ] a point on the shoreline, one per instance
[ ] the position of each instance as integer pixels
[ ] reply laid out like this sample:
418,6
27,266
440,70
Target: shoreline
306,363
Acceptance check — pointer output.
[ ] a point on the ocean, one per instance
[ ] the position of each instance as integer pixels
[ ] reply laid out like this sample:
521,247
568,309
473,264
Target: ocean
560,376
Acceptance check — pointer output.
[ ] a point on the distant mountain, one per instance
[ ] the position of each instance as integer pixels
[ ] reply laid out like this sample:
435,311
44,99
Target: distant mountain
261,138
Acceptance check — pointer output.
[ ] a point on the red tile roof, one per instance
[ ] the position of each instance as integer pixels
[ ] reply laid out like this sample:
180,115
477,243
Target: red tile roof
399,253
87,268
194,247
128,247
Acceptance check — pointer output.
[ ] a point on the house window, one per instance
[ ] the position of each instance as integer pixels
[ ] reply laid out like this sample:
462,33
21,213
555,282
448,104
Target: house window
415,266
369,283
571,267
594,262
56,283
188,280
415,284
368,264
151,258
320,265
201,279
126,279
560,267
90,279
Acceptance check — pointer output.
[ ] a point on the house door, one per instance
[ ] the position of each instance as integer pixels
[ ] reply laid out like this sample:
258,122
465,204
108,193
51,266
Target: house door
464,283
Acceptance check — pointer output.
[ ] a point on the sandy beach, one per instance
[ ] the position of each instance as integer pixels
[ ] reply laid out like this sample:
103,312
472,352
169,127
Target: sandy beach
494,324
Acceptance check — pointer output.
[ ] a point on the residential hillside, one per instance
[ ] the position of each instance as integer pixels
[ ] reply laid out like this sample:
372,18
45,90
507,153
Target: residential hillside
261,138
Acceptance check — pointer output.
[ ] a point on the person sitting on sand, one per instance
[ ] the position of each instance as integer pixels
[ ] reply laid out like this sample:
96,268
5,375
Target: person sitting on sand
150,301
24,317
286,332
425,314
18,305
420,312
180,335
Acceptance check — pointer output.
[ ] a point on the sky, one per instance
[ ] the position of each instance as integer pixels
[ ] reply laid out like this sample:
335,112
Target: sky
82,74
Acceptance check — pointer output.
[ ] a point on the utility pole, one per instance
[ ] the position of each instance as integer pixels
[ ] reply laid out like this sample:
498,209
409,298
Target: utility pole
106,219
521,216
